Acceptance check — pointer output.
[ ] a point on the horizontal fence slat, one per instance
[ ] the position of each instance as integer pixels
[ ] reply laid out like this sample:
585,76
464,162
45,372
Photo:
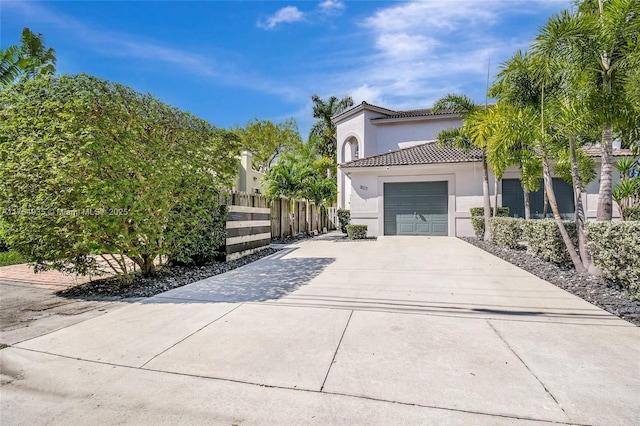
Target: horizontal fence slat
248,238
247,223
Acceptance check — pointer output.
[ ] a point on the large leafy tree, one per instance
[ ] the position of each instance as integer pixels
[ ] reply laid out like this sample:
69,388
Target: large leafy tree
324,129
599,46
92,168
475,132
267,140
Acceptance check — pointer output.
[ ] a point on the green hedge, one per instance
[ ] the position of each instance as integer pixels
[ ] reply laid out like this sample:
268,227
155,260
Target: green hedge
479,211
11,258
344,216
477,218
357,232
615,249
631,213
506,231
545,240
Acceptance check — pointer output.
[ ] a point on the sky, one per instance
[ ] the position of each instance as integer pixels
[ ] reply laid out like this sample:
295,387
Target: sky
232,61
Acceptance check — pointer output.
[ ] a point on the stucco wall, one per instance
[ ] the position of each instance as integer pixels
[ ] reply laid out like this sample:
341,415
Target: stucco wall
391,136
249,180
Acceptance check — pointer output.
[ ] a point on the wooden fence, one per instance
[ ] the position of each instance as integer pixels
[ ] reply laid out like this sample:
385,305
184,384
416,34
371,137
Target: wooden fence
248,230
289,217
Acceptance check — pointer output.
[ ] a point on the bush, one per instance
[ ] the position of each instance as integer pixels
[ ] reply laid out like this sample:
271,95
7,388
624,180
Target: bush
631,213
207,235
11,258
3,245
479,211
506,231
615,249
357,232
109,171
344,217
546,242
477,218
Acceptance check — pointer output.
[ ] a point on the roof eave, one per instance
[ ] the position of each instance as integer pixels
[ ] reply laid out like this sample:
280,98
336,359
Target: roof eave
346,166
377,121
355,110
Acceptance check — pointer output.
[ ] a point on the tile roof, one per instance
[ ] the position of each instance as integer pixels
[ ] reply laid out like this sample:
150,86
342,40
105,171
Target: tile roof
427,153
414,113
595,151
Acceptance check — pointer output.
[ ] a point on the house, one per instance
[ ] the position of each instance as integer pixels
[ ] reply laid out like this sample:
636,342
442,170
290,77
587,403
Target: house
395,179
249,180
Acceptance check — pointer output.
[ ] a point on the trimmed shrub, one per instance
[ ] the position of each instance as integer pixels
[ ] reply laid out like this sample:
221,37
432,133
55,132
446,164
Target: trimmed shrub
344,217
615,249
11,258
477,218
479,211
206,239
631,213
545,240
357,232
506,231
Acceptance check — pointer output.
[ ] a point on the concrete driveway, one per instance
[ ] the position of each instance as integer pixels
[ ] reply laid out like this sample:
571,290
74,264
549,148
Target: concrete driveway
403,330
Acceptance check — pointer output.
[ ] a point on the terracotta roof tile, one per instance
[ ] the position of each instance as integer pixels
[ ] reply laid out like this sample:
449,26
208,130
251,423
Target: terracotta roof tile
595,151
427,153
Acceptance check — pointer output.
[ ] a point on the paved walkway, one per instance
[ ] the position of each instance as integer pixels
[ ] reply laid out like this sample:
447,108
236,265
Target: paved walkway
397,331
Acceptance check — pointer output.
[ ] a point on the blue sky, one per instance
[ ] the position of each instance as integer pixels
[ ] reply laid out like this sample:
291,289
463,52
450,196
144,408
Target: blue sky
231,61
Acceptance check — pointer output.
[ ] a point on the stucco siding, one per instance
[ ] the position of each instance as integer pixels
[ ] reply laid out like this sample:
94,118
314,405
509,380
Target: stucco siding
392,136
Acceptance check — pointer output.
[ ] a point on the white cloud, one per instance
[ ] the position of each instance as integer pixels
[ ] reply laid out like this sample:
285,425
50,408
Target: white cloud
403,45
371,95
286,15
422,50
331,6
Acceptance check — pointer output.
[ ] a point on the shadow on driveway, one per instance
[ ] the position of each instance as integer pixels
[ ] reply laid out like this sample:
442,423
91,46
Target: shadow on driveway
267,279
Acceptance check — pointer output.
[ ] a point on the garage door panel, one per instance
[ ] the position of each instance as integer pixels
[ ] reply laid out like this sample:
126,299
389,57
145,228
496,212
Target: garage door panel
416,208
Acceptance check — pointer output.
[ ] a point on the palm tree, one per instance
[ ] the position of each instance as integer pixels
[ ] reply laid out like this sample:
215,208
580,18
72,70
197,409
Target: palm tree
475,132
38,59
10,66
324,128
528,85
600,46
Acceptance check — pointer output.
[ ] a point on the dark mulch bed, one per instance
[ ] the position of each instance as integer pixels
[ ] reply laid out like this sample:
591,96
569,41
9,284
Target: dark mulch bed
169,277
605,294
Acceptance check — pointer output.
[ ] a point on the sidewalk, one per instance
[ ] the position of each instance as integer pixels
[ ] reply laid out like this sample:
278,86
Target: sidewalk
393,331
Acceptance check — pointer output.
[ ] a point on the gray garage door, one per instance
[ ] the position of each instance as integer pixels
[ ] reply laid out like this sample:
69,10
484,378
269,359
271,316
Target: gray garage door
416,208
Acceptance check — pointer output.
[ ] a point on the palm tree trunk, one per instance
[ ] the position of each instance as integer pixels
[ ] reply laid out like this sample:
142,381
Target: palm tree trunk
495,195
527,205
605,199
548,184
487,198
545,208
580,217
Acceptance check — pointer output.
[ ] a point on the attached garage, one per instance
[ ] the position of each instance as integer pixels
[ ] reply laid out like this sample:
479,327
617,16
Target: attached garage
416,208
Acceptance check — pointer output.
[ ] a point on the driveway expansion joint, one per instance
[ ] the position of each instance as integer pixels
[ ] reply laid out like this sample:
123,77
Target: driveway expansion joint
185,338
529,369
336,352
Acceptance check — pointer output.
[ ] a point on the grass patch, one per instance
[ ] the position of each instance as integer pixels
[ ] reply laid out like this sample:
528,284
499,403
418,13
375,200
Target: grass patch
11,258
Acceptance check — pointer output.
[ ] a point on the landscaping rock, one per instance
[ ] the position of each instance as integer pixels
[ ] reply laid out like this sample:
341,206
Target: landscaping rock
169,277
